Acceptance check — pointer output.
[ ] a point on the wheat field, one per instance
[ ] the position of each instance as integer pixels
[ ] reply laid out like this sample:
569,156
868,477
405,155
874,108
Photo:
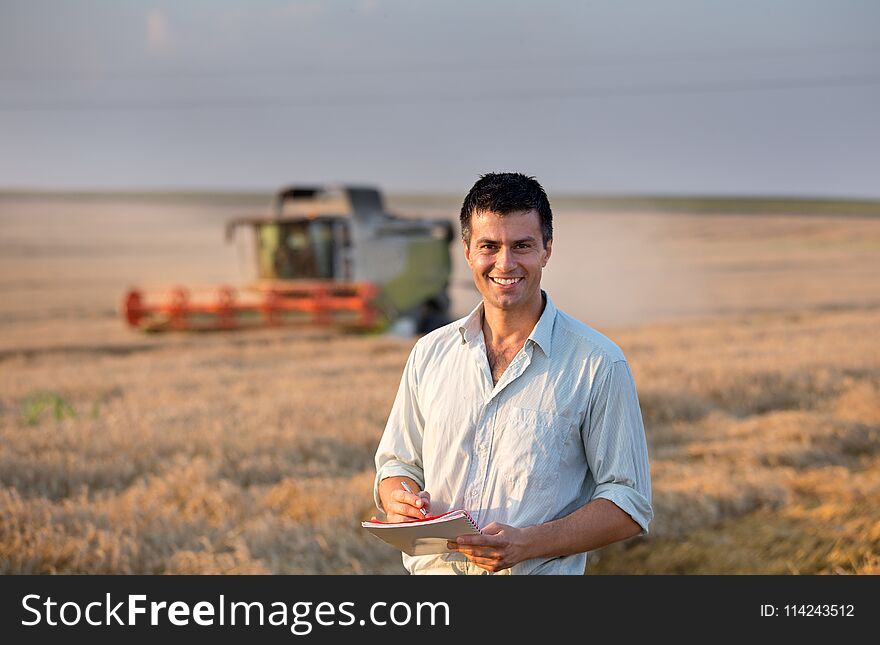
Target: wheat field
753,341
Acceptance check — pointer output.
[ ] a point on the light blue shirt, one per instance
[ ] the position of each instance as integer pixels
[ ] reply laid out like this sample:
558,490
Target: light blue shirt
561,427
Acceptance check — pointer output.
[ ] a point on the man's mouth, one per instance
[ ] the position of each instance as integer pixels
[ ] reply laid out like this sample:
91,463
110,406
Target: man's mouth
505,281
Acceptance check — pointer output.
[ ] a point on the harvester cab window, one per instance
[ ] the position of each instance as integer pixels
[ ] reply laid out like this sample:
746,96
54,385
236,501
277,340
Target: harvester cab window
308,251
298,251
344,259
321,238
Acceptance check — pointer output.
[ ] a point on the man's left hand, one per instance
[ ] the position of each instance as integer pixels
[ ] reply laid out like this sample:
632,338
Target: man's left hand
499,547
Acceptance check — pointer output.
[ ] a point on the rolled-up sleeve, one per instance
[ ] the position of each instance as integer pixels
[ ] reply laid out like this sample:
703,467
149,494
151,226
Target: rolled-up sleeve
616,449
400,449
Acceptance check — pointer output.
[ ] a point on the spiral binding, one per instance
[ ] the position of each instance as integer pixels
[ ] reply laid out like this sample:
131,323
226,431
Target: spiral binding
472,522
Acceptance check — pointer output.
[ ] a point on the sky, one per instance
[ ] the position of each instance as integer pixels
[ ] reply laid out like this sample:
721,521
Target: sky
778,98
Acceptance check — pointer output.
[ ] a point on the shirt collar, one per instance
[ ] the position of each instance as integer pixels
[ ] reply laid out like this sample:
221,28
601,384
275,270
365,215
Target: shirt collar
472,326
542,334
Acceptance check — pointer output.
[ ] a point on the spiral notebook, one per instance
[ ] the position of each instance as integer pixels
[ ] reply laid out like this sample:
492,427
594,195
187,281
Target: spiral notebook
427,536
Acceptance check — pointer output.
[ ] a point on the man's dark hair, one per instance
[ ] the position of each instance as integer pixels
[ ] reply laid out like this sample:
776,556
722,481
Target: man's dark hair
505,193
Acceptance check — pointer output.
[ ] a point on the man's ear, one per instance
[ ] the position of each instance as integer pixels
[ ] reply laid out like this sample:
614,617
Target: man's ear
547,250
467,251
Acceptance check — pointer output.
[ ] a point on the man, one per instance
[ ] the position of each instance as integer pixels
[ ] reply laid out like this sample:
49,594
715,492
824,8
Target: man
518,412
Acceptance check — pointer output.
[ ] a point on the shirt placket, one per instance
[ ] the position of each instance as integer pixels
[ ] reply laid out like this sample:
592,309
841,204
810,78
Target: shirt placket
485,430
482,432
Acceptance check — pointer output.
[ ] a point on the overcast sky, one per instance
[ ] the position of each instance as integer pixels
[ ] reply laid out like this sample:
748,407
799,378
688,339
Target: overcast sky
748,97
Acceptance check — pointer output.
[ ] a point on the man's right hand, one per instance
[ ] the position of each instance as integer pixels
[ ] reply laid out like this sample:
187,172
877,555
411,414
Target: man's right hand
401,506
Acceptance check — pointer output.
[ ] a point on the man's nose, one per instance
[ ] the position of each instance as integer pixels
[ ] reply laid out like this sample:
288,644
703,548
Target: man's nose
504,260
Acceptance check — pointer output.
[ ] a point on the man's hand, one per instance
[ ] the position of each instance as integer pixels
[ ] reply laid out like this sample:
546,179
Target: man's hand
401,506
499,547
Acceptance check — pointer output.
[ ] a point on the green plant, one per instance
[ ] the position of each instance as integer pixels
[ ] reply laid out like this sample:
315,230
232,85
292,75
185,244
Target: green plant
35,404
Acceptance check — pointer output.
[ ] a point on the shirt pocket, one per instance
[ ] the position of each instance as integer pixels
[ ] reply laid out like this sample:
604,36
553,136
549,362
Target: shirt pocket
529,446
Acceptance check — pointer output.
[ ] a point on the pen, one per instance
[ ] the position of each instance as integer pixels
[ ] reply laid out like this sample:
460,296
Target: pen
408,490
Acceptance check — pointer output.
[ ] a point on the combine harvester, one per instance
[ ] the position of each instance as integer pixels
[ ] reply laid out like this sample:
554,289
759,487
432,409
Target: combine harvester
329,255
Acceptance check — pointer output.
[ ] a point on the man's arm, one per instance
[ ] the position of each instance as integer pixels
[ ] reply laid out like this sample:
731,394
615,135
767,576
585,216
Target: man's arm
592,526
399,455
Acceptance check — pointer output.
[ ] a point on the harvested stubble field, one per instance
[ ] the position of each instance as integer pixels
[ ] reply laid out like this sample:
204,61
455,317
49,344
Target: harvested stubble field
753,341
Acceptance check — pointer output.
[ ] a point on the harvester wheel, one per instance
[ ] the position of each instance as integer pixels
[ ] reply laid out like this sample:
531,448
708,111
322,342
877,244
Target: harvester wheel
431,316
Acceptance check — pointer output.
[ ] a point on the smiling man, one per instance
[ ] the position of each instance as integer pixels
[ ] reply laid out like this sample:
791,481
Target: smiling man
518,412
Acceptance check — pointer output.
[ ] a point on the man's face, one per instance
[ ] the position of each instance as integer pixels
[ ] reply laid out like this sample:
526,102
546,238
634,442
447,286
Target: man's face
506,256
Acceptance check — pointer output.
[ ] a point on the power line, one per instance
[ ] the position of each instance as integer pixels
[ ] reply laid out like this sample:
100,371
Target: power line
427,98
371,68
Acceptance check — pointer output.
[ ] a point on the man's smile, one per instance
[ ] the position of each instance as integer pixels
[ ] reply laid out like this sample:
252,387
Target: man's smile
504,281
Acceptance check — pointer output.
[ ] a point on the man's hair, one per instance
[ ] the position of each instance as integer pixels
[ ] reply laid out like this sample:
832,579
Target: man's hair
504,193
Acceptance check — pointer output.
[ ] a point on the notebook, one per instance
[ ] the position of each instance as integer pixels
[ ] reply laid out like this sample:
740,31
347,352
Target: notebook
427,536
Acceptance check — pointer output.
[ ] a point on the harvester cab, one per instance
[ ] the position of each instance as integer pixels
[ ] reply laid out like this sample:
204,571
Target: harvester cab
325,255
